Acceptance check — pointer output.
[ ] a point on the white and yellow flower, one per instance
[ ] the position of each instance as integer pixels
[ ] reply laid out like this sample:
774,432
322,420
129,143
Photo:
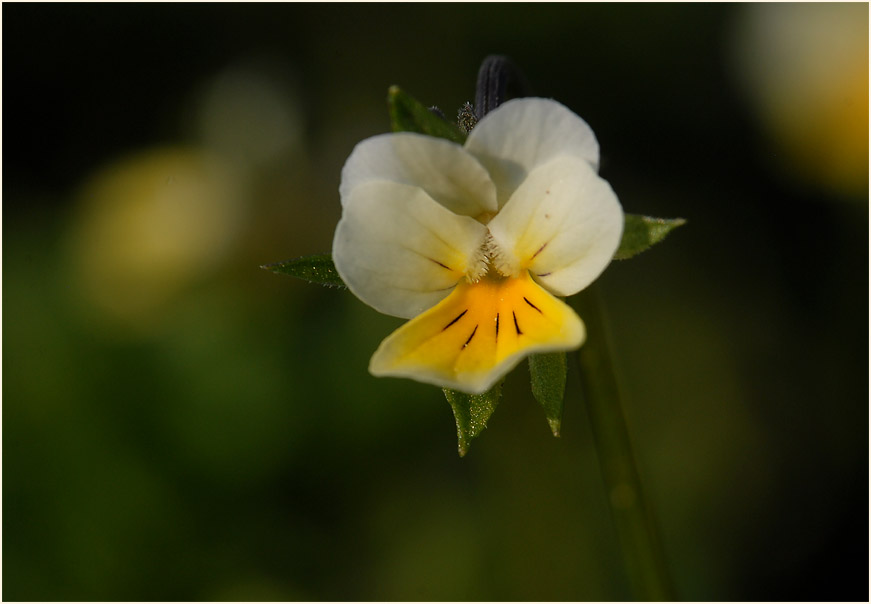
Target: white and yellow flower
474,243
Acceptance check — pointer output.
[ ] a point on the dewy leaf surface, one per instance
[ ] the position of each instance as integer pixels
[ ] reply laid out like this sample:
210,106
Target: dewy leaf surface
407,114
471,412
548,376
642,232
318,268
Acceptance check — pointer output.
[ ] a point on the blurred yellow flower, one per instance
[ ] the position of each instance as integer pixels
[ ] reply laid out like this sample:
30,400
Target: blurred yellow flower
148,226
805,68
474,242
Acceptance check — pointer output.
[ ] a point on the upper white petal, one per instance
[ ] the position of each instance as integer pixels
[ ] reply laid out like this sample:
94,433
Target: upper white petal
522,134
563,224
399,251
443,169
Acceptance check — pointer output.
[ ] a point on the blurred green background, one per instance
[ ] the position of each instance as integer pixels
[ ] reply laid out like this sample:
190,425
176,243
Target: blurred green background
179,424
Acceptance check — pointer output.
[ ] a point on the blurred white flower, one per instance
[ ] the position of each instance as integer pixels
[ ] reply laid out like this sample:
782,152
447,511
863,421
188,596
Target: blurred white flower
249,113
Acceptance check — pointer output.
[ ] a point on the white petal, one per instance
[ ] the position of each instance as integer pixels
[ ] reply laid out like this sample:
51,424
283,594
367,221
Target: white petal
443,169
399,251
563,224
522,134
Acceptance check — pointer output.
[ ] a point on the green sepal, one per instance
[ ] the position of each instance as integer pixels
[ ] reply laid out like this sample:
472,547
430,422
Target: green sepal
409,115
642,232
548,378
317,268
471,412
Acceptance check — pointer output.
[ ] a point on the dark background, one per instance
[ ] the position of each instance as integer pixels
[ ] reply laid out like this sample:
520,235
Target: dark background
179,424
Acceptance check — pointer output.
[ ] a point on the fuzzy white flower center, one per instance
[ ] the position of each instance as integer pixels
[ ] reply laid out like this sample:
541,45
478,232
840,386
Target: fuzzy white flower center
491,261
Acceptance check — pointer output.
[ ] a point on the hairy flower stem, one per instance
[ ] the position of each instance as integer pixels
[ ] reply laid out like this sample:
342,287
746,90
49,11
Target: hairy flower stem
498,80
636,528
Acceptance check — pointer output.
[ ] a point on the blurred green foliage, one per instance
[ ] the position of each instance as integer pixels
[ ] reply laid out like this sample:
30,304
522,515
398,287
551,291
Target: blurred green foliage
213,434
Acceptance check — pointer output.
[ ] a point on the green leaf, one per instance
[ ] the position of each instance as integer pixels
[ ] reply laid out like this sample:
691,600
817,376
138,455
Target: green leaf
548,373
471,412
642,232
409,115
318,268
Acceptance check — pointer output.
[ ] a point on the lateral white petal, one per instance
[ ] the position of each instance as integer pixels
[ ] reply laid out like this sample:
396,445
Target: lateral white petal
443,169
522,134
563,224
399,251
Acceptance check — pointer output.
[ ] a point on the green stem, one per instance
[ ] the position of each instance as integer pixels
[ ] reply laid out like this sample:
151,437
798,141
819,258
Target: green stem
636,529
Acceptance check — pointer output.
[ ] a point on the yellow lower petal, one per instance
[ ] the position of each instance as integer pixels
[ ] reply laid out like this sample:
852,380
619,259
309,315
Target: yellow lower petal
469,340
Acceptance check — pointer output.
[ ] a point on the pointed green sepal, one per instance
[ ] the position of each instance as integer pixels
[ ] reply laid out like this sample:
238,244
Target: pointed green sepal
642,232
318,268
548,377
471,412
409,115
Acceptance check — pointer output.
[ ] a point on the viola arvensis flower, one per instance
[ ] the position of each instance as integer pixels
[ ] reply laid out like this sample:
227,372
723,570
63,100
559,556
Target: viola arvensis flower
475,243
